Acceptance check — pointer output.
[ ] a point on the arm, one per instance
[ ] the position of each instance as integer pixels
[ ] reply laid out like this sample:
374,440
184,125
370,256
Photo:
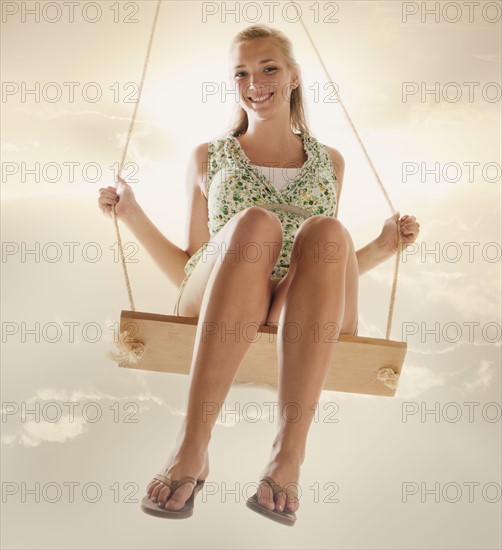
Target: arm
170,258
371,255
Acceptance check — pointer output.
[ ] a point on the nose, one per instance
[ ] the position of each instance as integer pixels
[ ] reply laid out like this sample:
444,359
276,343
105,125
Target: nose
255,86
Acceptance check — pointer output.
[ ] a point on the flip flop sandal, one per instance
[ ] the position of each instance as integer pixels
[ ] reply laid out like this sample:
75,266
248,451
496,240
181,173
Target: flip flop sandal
154,509
286,518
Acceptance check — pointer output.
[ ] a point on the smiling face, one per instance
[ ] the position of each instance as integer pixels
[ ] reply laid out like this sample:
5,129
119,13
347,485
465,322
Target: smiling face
262,77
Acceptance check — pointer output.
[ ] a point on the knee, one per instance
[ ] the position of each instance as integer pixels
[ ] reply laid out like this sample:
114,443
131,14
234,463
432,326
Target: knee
324,229
322,238
258,223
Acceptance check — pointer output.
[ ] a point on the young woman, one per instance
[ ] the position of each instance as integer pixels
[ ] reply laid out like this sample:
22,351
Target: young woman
263,246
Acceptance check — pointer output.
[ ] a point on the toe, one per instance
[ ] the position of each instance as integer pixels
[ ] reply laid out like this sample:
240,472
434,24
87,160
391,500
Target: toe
163,494
291,506
265,497
281,501
150,487
292,503
154,494
179,498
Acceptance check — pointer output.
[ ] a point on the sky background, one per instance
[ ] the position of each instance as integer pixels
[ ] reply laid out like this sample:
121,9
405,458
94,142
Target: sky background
375,450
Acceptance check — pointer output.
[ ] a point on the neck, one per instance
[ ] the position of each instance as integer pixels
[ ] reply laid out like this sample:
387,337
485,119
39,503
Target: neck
272,134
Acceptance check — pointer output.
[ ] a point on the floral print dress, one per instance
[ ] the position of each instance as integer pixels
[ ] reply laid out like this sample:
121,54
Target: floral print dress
235,184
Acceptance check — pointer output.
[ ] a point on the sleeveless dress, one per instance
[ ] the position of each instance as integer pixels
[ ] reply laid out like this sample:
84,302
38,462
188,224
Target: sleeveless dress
278,176
234,184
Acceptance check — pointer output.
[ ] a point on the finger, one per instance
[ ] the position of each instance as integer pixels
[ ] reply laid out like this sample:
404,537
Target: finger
409,232
107,203
108,195
409,224
109,198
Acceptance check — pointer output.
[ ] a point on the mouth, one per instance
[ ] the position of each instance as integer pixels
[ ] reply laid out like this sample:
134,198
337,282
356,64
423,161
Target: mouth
261,99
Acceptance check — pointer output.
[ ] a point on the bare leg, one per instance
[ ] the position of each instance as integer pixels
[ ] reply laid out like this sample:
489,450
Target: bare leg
321,293
238,292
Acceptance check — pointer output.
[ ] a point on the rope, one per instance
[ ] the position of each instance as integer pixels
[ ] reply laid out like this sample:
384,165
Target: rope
382,187
384,191
394,282
388,377
124,153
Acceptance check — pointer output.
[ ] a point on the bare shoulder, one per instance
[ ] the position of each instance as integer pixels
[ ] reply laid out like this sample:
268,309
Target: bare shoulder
201,150
338,161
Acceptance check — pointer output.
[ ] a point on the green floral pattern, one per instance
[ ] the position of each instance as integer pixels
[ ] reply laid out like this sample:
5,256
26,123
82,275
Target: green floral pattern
235,184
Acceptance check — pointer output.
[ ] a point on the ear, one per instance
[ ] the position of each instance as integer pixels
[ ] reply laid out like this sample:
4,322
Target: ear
295,77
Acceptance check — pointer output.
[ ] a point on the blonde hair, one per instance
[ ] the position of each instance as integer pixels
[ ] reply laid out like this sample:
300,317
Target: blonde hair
298,121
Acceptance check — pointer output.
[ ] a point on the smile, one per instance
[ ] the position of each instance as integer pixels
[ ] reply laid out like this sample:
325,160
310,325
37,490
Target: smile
261,99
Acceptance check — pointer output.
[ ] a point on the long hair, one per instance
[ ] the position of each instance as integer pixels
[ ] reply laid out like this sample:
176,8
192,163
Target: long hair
298,121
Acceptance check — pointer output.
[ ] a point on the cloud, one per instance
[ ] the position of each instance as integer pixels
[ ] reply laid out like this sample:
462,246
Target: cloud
50,113
51,427
34,433
451,348
483,378
490,58
450,275
417,380
12,194
6,147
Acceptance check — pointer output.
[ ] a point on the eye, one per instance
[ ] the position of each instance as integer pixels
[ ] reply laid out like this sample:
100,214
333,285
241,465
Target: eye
266,68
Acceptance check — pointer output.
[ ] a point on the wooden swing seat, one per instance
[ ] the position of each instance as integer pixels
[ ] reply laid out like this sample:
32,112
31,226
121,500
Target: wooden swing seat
169,343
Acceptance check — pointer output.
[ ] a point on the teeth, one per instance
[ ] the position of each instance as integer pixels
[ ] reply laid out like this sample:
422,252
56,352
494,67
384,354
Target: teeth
261,98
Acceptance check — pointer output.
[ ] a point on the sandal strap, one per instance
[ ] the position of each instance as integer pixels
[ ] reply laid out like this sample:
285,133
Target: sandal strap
173,484
277,488
163,479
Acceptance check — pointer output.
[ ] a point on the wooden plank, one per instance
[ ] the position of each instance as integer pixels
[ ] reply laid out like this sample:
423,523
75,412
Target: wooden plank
169,342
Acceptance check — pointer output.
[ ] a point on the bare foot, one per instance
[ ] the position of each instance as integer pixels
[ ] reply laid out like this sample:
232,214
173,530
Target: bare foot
184,463
284,469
